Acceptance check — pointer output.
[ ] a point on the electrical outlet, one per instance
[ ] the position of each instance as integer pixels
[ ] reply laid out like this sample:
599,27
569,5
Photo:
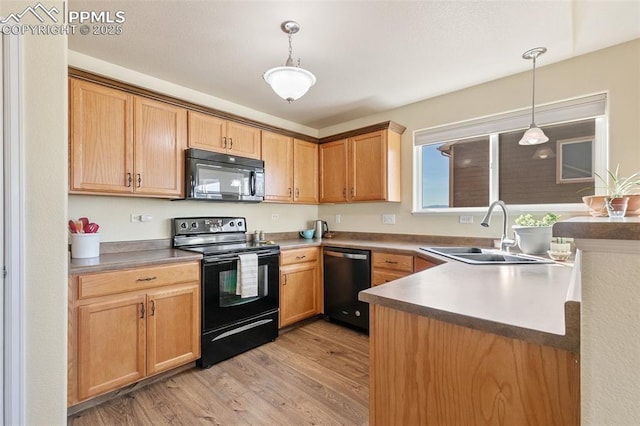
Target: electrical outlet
337,218
275,216
389,219
466,219
136,218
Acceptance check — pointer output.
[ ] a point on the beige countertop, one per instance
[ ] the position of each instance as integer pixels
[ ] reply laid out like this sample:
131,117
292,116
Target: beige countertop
599,228
131,259
528,302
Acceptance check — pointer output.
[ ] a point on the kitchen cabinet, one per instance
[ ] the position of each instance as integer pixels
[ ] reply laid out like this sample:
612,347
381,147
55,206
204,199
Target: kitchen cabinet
391,266
300,285
123,144
361,167
216,134
425,371
130,324
291,169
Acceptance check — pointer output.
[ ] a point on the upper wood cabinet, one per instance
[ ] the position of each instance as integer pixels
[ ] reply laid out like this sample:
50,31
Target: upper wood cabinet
291,169
124,144
362,167
215,134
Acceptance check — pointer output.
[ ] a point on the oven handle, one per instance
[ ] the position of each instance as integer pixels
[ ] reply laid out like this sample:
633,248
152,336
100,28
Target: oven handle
252,183
222,258
242,329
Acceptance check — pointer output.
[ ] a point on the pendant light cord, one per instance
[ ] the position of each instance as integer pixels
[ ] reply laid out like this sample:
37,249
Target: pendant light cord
533,94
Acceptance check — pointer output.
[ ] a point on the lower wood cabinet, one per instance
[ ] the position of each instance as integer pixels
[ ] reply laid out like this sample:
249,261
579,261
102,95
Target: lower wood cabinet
391,266
428,372
131,324
300,285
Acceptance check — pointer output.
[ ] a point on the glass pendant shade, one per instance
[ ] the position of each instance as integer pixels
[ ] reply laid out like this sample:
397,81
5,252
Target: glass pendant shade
533,136
289,82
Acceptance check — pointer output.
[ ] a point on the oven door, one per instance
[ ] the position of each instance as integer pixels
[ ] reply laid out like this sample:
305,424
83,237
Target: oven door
220,304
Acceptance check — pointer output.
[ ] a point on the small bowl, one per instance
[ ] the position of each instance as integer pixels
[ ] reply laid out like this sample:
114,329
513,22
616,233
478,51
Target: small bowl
559,256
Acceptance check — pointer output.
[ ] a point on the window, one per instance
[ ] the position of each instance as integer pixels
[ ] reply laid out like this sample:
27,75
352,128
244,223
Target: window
465,166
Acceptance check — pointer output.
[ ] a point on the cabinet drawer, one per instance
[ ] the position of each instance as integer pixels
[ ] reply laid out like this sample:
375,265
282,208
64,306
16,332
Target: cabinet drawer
381,277
307,254
396,262
105,283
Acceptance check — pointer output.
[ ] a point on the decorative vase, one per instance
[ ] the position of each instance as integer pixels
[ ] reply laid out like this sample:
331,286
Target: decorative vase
616,207
533,239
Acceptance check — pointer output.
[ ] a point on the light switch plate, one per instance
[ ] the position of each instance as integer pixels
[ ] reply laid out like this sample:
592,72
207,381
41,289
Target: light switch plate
466,219
337,218
389,219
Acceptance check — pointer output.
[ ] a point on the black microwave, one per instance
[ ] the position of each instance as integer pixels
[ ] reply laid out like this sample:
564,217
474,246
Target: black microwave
213,176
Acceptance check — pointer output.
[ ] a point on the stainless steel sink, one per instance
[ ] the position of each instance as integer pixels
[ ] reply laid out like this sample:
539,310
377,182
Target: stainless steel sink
481,256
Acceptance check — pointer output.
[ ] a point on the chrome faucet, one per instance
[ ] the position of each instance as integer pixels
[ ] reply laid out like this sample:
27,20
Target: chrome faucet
505,241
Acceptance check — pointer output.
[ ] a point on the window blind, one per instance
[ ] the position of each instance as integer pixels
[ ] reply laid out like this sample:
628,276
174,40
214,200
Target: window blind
558,112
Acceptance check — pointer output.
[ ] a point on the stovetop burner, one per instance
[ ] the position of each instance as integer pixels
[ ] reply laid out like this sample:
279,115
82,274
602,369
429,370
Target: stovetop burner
215,235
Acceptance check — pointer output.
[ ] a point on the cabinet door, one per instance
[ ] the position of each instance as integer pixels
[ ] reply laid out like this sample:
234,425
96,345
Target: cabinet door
173,334
159,142
305,172
243,140
298,292
111,344
333,172
100,139
277,154
207,132
368,161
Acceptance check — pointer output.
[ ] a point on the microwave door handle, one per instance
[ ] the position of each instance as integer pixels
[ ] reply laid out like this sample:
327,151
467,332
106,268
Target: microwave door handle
252,183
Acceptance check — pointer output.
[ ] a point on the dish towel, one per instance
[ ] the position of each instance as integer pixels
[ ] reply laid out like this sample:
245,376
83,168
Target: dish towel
247,285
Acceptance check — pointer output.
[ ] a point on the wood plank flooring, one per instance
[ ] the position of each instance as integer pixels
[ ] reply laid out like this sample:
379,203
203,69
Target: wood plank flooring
317,374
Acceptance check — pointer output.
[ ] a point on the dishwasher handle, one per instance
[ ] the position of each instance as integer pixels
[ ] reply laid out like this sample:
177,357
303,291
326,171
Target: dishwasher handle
346,255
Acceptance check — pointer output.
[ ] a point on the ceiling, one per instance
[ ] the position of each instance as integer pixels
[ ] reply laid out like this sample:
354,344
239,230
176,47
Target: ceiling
368,56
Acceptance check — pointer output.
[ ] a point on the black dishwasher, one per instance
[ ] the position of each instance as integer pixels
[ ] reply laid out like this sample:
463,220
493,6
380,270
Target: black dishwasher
346,273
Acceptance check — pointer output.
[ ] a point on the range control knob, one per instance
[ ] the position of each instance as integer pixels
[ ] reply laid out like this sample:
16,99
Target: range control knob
183,225
194,225
232,224
240,224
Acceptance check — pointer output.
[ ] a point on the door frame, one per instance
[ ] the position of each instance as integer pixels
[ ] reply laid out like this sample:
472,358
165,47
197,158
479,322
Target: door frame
13,297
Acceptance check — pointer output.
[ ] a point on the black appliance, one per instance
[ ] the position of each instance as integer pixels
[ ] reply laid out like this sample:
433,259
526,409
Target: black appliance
231,324
346,273
212,176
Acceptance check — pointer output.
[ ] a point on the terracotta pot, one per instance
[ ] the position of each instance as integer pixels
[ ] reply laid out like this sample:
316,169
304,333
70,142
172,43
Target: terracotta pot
633,208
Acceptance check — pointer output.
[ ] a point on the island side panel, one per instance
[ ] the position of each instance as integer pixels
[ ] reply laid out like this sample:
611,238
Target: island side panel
429,372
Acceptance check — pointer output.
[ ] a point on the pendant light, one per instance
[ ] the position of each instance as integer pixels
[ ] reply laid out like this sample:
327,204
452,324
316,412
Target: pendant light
534,135
290,82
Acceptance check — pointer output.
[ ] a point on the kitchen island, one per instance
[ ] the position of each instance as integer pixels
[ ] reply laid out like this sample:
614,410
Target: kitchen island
476,344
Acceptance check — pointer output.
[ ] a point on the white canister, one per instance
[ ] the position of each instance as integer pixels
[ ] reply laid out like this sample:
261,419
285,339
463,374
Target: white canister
85,245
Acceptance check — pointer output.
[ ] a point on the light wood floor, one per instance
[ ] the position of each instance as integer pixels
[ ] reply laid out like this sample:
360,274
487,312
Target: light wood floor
314,374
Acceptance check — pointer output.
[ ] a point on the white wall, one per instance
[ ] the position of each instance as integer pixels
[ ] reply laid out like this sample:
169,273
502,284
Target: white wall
615,70
113,215
44,132
610,332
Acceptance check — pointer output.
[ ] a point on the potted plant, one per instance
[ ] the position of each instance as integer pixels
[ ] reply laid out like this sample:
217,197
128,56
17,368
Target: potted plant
534,235
622,195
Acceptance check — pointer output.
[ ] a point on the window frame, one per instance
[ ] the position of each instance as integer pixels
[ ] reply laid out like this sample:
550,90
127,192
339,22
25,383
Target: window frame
567,111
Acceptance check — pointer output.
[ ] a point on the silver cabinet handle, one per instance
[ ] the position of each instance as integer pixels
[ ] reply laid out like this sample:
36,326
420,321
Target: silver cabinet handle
346,255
